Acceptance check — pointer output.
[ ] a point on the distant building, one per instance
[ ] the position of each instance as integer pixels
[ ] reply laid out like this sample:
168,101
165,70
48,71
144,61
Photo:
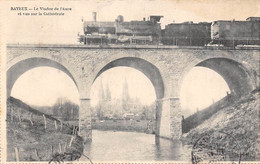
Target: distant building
128,116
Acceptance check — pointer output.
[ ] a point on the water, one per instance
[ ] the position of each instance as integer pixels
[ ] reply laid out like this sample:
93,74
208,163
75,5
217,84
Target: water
132,146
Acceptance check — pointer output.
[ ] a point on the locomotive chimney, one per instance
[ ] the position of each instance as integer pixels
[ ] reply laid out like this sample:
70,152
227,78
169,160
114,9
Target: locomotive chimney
94,16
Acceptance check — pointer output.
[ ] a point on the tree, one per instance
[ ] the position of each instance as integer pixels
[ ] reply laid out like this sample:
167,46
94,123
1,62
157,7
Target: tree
65,109
100,113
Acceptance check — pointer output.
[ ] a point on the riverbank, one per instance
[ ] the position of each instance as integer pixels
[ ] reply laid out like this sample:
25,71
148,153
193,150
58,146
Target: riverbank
143,126
240,120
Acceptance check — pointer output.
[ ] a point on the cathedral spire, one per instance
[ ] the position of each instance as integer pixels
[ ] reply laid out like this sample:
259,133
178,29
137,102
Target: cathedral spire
125,94
108,93
101,94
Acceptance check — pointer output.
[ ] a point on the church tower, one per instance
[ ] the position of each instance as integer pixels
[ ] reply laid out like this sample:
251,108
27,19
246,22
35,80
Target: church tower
108,93
125,94
101,94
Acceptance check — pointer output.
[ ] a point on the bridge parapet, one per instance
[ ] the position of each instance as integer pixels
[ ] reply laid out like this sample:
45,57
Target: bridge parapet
132,46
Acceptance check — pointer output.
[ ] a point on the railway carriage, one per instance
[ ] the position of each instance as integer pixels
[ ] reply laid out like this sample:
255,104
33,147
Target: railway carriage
226,33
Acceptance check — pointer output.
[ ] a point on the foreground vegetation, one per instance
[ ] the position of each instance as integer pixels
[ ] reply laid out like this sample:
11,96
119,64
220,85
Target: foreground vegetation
34,136
240,121
200,116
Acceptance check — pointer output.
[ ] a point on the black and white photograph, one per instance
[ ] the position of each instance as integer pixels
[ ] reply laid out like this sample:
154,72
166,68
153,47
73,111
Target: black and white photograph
130,81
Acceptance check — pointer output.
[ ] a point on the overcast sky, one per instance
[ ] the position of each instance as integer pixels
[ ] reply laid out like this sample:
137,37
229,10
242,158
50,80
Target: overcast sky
42,86
64,29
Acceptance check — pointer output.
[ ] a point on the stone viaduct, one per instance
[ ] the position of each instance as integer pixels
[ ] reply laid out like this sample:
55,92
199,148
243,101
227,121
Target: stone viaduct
164,66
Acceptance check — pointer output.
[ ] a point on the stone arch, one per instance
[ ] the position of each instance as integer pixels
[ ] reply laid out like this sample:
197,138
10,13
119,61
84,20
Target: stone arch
233,72
237,76
152,72
147,68
20,67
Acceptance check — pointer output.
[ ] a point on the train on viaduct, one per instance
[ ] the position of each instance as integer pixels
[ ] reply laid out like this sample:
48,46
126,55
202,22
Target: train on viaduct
230,33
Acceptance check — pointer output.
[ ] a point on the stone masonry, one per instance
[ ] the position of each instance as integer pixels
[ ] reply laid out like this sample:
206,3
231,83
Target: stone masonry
165,67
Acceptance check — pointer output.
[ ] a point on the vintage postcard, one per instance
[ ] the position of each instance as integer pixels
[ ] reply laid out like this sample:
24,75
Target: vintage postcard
133,81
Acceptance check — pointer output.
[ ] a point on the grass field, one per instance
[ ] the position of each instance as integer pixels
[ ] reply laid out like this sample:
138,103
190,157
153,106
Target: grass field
30,138
34,143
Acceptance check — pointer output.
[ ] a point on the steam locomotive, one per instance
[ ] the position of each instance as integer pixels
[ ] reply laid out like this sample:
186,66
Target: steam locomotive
226,33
